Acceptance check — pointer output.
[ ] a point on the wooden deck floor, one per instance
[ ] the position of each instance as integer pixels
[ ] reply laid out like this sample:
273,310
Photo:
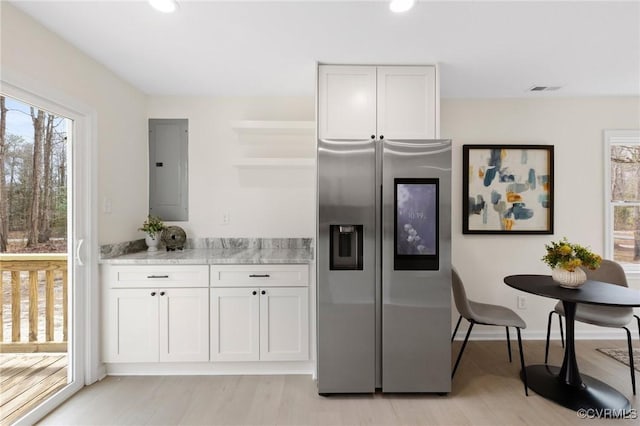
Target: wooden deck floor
28,379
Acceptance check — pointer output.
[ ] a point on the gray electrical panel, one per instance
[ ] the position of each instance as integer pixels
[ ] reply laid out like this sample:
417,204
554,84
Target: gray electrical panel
168,169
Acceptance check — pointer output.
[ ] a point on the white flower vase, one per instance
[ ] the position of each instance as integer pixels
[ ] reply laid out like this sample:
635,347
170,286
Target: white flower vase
569,279
152,242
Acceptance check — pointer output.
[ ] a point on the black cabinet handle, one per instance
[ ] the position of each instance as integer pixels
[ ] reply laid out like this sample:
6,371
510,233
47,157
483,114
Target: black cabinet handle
153,293
162,293
157,276
263,292
259,276
381,137
373,136
254,292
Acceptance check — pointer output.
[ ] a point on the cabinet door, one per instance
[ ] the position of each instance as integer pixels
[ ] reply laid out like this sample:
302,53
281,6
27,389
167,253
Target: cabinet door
346,102
132,325
407,102
235,324
284,324
184,324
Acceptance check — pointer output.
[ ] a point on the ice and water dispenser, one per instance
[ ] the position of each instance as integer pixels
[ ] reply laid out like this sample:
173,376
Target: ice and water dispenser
345,247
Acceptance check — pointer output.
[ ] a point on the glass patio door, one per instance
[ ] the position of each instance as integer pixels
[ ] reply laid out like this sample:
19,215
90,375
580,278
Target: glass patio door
45,265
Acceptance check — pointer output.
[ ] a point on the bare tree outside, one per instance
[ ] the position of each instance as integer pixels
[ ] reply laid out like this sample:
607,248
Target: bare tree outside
36,178
33,188
625,189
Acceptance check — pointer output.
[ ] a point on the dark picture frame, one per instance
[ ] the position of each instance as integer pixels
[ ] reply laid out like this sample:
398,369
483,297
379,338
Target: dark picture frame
416,242
507,189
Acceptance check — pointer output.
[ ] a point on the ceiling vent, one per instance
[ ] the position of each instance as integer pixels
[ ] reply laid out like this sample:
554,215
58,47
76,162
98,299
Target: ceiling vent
544,88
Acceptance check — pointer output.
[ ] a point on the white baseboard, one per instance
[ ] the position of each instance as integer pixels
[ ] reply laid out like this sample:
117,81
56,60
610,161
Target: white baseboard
208,368
499,334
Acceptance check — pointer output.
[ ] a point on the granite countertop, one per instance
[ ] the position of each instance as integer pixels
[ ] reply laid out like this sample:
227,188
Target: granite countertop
203,251
199,256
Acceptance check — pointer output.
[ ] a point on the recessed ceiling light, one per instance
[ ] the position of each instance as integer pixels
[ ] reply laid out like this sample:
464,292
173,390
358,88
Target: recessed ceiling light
399,6
164,6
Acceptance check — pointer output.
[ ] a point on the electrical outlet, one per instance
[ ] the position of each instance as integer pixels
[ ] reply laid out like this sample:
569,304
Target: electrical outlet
522,302
226,218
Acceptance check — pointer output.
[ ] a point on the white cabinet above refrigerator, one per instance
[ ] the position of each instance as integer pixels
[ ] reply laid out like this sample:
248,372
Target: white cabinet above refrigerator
393,102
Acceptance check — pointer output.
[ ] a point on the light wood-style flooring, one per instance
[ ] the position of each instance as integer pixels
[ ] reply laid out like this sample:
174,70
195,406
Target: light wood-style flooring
486,391
28,379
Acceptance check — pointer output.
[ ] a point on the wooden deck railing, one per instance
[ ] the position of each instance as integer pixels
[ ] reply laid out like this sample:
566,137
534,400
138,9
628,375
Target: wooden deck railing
24,277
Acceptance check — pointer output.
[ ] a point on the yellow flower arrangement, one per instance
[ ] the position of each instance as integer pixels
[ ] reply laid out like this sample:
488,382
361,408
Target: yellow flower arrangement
566,255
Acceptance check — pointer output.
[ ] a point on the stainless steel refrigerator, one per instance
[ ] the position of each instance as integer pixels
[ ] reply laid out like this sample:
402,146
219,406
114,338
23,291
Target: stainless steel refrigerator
384,266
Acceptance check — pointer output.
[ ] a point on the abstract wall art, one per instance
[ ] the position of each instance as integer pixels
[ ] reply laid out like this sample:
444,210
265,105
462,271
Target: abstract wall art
507,189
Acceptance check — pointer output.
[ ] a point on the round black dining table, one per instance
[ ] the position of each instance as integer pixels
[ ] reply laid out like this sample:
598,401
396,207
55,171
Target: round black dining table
565,385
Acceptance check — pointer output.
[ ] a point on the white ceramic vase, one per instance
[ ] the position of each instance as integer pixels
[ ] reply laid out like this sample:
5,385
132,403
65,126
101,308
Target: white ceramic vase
569,279
152,242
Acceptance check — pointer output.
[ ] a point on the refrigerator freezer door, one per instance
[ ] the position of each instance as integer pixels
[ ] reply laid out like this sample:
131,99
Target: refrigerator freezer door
346,297
416,304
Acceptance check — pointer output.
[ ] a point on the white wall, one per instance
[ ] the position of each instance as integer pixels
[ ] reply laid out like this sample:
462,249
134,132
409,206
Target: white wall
259,202
574,127
42,59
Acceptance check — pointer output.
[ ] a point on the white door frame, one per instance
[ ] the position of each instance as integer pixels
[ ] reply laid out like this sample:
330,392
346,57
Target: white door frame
84,360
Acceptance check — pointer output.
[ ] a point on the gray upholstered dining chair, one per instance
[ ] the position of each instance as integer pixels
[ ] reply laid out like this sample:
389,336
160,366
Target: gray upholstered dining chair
486,314
604,316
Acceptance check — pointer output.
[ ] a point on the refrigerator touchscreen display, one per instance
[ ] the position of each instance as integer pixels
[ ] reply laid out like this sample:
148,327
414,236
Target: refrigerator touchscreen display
416,224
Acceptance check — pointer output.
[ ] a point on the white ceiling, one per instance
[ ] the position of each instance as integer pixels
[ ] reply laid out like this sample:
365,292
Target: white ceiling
485,49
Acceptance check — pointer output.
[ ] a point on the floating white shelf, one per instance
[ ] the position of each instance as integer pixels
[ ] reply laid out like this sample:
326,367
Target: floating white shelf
265,140
274,127
257,162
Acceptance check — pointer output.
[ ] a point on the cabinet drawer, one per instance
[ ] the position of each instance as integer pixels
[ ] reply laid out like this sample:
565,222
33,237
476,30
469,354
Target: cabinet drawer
259,275
160,276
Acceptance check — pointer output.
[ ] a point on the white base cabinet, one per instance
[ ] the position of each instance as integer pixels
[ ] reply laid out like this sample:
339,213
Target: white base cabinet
284,323
132,327
184,327
155,317
193,314
269,322
235,322
266,324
